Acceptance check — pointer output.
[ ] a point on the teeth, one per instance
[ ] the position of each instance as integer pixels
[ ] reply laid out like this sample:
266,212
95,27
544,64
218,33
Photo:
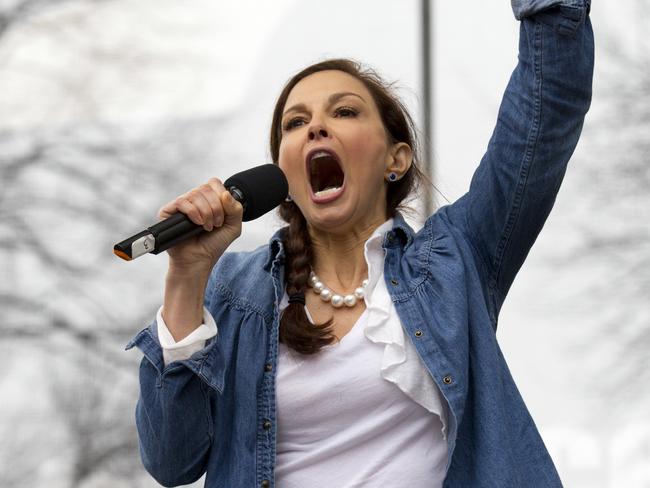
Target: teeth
327,191
320,154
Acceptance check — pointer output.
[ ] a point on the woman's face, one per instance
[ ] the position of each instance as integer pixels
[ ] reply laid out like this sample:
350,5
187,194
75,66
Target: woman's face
335,152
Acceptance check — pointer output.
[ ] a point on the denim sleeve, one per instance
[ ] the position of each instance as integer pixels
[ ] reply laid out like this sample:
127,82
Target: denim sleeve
538,126
174,414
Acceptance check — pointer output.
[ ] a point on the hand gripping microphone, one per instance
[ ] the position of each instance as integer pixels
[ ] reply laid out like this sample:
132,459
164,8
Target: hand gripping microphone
258,189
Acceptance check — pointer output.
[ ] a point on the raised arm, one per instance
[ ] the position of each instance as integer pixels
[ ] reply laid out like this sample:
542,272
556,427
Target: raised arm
539,123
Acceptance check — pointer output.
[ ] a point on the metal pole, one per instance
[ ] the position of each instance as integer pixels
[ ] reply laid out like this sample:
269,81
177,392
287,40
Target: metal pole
427,102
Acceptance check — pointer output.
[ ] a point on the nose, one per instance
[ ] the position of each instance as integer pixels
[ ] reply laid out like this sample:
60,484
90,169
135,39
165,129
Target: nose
317,131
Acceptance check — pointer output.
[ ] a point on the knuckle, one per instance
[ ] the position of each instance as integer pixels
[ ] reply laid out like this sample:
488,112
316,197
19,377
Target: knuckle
216,185
212,197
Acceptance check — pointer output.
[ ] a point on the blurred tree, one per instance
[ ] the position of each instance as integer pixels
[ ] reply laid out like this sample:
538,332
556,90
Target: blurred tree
95,416
69,191
17,11
611,215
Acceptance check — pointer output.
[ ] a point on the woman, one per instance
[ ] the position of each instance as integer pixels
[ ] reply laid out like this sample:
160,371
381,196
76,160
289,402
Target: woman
350,350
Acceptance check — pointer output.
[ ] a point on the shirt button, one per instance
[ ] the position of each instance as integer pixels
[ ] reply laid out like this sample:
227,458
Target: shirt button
447,380
268,367
418,333
389,237
266,424
394,282
266,483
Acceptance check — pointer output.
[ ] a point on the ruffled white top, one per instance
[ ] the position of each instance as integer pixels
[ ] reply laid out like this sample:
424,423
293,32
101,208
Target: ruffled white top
400,363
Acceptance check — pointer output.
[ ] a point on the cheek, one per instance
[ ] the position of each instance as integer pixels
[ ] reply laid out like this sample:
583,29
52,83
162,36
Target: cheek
288,155
371,153
284,161
289,162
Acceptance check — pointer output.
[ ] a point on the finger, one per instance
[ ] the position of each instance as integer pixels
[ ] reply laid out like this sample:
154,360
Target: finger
216,185
201,202
212,199
234,210
219,191
225,196
168,209
210,192
185,205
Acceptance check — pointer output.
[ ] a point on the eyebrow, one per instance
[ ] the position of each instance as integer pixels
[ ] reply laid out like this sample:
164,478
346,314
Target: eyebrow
335,97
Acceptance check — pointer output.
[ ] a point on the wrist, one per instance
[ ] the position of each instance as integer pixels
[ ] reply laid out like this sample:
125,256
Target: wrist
194,273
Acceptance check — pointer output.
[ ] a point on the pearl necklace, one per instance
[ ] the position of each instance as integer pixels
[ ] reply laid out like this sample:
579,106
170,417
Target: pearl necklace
335,299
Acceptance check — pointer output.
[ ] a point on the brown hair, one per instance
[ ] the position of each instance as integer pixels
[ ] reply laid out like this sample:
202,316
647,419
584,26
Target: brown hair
296,331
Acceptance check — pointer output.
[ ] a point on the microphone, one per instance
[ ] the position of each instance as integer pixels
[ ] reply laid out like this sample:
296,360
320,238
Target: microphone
259,190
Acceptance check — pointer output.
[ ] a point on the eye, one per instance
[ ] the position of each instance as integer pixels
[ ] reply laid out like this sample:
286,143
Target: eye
346,112
291,123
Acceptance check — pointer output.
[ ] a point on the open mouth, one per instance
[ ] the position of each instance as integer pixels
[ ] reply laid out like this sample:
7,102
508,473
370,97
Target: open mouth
325,173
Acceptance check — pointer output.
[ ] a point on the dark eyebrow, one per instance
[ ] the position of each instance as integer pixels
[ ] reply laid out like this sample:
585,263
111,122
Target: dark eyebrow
335,97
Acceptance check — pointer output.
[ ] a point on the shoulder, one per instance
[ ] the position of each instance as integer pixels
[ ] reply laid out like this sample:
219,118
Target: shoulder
438,243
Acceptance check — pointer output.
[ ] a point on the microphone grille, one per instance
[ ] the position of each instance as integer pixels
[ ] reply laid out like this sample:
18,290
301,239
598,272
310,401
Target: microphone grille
263,187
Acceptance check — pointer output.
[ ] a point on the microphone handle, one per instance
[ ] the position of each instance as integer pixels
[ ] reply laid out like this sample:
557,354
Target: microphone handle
173,230
163,235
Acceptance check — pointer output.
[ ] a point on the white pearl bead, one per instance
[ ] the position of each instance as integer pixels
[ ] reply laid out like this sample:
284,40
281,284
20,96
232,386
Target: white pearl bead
326,295
359,293
350,300
337,301
365,282
313,279
318,287
312,274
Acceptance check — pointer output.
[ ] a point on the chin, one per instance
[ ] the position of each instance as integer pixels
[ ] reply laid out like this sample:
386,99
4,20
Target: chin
330,219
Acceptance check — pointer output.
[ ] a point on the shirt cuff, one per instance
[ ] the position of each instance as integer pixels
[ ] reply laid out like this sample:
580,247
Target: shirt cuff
183,349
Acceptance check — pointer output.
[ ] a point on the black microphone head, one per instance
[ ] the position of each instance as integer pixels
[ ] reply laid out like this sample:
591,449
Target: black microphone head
263,188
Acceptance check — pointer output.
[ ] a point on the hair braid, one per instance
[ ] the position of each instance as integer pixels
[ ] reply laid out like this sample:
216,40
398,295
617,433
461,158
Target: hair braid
296,331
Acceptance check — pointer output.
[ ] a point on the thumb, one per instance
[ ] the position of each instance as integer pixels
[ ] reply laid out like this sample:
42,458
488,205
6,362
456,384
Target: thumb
232,208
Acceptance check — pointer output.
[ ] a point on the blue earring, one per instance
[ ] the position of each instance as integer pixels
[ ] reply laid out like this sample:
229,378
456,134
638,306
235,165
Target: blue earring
392,176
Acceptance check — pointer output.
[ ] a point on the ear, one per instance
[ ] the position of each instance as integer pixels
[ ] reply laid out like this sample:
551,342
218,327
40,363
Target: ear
402,157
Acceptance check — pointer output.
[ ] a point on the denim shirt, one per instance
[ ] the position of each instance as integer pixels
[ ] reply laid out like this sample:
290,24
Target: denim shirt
215,412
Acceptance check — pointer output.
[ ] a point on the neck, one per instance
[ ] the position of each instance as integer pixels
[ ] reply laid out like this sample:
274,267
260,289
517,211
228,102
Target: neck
338,259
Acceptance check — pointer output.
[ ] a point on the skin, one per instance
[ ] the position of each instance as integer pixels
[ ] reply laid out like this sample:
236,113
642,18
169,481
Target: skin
351,126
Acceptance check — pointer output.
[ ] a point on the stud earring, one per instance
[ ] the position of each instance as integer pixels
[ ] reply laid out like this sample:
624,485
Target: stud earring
288,199
392,176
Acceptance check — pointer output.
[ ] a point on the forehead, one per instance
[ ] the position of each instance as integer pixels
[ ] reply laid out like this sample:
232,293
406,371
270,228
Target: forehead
317,87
